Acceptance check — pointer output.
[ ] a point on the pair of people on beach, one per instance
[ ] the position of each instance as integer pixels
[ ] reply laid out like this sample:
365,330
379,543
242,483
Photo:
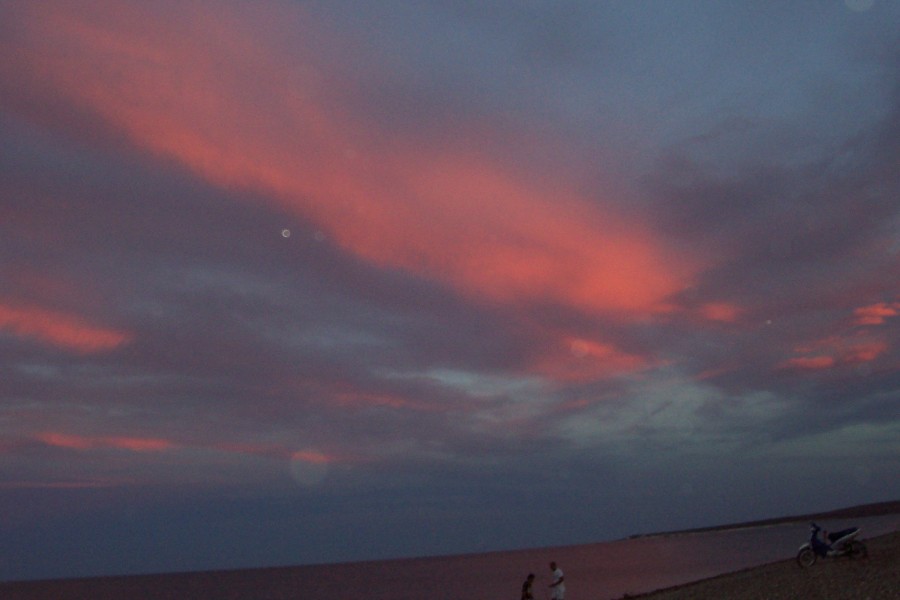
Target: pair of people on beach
558,586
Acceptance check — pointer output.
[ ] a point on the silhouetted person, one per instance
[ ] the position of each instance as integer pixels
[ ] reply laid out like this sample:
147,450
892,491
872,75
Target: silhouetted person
558,586
526,587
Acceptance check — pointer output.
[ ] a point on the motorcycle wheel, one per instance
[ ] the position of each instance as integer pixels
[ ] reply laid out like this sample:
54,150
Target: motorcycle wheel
806,557
857,550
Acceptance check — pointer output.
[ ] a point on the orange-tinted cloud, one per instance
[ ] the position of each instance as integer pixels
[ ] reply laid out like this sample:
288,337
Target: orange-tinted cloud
808,363
77,442
833,352
724,312
876,314
207,89
64,331
313,457
578,359
155,445
864,352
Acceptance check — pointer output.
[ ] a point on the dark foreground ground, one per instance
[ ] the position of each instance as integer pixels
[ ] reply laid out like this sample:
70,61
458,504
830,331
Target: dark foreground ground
875,577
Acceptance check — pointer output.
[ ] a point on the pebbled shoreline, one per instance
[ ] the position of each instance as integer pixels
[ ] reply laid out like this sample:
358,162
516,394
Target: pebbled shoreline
875,577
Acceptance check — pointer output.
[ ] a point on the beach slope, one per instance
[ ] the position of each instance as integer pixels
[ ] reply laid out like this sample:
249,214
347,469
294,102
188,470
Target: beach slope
875,577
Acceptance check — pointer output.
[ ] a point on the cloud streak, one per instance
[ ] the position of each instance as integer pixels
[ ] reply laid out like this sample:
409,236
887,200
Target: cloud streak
68,332
449,213
77,442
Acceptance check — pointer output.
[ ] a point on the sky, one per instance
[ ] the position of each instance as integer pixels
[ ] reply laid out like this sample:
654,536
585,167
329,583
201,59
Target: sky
293,282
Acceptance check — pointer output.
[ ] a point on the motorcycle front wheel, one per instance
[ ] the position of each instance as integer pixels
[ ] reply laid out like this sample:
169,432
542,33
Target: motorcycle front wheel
857,550
806,557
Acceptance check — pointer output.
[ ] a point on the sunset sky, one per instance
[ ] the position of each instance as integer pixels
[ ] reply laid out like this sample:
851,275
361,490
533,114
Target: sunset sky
297,281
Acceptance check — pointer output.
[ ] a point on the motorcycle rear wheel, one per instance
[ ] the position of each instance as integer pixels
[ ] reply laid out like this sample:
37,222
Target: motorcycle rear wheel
857,550
806,557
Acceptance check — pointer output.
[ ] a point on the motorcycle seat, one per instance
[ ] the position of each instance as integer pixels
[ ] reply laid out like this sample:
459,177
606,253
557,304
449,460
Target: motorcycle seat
833,537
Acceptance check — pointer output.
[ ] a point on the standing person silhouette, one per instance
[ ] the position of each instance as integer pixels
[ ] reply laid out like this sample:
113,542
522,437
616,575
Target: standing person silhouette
526,587
558,586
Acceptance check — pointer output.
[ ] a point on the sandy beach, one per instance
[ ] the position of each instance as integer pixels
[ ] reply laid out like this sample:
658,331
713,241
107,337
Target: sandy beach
877,576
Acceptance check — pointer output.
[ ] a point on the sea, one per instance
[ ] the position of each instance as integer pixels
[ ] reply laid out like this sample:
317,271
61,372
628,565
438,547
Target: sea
600,571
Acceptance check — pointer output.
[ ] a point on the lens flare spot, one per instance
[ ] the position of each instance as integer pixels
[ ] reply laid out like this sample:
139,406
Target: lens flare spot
308,467
580,348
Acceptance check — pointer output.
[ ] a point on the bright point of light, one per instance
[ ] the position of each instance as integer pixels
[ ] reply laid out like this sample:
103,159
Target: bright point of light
286,233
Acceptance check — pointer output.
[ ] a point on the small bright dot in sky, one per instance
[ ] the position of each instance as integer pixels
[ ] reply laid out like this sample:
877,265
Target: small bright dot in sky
286,233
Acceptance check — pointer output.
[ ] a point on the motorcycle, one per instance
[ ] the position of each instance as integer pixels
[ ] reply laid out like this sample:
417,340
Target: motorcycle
837,544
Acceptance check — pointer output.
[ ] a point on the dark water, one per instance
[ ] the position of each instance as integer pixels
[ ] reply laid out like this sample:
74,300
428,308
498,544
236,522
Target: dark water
594,571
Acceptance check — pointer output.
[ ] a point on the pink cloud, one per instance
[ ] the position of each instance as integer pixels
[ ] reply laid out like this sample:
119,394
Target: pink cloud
313,457
876,314
77,442
864,352
145,445
140,444
574,359
211,92
724,312
65,331
809,363
835,351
